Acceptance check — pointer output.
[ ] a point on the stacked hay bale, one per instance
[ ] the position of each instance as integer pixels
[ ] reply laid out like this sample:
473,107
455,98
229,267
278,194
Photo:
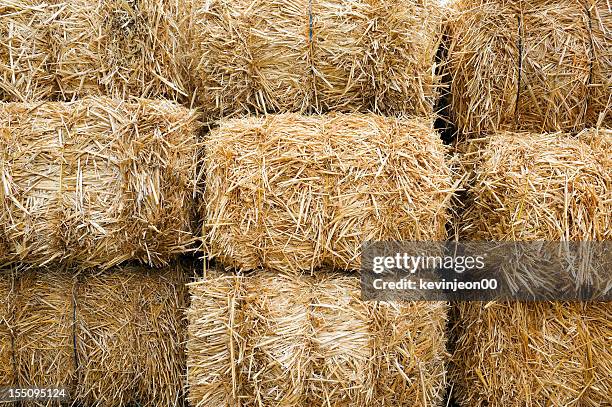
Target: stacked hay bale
290,192
535,65
111,339
61,50
272,339
528,187
314,56
44,330
96,182
130,335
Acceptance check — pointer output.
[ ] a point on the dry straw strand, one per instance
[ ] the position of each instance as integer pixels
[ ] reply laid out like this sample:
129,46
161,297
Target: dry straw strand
314,55
277,340
290,192
599,112
97,182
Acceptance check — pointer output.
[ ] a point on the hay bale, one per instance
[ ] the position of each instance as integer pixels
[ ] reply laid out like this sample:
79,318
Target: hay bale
97,182
522,66
599,110
303,56
529,187
7,360
24,50
274,339
44,331
130,335
290,192
517,354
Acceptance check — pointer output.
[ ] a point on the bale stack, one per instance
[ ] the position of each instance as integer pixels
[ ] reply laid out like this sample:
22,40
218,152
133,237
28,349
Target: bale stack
97,182
272,339
111,339
314,56
535,65
61,50
291,192
529,187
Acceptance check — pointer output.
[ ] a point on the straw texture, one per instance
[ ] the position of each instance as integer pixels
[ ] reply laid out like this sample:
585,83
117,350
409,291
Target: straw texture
529,187
97,182
278,340
44,331
528,66
130,335
60,50
600,107
7,372
313,56
290,192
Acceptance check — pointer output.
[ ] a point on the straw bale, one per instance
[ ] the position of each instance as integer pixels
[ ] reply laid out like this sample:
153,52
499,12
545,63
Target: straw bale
130,336
7,371
304,56
24,50
299,340
97,182
290,192
525,66
44,331
534,354
60,50
530,187
600,107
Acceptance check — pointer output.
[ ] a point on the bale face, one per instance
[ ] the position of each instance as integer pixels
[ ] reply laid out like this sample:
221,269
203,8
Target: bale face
97,182
303,56
599,112
532,66
129,338
65,50
289,192
44,331
517,354
529,187
298,340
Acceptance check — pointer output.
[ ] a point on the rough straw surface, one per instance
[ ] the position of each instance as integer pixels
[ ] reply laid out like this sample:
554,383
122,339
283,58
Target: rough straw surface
113,339
290,192
59,50
130,331
277,340
7,371
528,187
306,56
529,66
96,182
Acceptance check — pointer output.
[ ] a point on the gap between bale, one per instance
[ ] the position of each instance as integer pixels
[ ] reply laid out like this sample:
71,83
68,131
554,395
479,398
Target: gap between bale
314,56
271,339
292,192
97,182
